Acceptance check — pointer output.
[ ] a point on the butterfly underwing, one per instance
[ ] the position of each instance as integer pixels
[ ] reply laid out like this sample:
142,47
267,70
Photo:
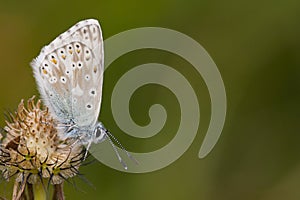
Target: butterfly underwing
69,75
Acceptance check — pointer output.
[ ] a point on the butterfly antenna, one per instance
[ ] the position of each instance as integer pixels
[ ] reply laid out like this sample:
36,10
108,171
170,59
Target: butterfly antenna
116,150
121,146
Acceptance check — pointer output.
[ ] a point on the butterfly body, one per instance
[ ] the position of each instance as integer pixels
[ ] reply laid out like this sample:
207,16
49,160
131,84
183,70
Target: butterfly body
69,75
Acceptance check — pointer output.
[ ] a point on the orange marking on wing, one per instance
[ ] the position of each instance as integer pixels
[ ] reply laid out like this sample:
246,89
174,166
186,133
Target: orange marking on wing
54,61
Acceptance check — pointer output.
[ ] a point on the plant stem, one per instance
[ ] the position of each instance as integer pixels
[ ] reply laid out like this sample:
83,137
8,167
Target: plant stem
58,192
30,191
39,192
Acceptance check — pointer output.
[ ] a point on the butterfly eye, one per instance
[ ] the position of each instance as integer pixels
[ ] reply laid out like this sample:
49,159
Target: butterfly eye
98,133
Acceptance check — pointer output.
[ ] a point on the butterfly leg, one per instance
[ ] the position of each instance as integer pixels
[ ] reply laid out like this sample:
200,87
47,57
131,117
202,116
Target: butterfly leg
87,150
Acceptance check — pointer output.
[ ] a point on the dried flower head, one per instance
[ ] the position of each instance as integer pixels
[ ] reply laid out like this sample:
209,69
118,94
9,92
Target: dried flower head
32,150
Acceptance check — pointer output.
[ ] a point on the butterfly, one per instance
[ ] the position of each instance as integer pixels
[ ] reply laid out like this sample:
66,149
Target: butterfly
69,75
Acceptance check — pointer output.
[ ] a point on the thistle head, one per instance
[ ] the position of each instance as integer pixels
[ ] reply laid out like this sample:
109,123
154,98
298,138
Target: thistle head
32,151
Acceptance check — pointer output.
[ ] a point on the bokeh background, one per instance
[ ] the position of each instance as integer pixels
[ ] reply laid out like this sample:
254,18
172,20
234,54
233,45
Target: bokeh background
256,46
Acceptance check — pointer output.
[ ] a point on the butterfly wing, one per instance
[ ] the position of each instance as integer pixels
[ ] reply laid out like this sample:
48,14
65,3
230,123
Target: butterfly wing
69,74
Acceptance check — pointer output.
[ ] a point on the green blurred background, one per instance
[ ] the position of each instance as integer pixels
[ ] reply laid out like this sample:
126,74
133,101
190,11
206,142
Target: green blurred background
255,45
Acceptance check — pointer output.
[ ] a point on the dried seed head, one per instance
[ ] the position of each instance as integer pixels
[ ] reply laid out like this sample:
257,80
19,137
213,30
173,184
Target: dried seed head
32,149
